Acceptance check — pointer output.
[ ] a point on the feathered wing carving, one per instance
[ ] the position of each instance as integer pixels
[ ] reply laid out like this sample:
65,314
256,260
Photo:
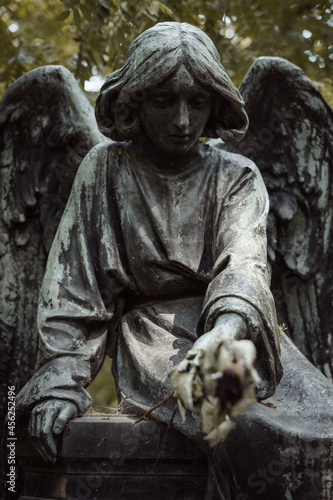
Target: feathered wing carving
291,140
47,126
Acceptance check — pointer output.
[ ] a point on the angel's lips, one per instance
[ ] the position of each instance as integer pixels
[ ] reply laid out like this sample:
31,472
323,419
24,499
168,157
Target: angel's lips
181,137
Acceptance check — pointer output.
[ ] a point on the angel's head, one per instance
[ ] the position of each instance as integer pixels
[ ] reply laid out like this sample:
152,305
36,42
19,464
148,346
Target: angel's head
171,65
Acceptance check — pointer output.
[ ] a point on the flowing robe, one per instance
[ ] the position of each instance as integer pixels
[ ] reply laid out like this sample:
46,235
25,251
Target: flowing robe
143,262
134,238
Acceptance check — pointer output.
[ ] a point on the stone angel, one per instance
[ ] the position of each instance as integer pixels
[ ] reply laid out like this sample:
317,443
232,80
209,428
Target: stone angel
161,253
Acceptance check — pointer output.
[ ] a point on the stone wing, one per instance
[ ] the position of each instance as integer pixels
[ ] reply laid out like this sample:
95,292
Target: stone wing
47,126
291,140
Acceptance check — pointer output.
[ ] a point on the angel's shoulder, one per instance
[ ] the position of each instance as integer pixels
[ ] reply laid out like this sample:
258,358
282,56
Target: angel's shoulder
98,160
233,164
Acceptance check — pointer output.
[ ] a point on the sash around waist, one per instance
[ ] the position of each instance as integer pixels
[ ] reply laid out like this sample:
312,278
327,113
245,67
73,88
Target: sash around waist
138,303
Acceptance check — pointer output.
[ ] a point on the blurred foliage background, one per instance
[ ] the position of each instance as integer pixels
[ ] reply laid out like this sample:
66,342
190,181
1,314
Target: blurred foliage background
91,37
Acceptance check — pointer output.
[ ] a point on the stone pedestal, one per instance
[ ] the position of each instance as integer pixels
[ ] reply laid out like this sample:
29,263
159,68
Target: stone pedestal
105,457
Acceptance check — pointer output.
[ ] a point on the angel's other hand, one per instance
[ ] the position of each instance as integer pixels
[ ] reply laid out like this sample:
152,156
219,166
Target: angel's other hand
48,419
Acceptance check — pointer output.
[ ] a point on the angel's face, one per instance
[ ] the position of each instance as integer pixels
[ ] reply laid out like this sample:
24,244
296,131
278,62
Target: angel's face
175,113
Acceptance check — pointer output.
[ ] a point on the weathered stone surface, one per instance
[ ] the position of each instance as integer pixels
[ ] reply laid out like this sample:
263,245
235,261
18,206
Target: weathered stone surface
111,458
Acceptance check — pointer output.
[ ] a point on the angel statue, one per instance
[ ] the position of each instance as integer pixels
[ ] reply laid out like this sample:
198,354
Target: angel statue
160,257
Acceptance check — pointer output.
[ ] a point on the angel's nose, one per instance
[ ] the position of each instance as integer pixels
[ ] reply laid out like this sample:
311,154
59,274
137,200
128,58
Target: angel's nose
182,119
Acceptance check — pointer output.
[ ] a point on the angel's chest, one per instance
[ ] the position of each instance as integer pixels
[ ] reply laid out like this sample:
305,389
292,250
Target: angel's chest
165,217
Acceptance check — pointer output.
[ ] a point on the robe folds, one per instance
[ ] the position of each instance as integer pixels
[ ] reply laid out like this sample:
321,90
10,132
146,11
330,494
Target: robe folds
143,262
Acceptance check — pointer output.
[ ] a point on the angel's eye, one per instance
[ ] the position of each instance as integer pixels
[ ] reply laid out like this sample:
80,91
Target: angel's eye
162,102
199,101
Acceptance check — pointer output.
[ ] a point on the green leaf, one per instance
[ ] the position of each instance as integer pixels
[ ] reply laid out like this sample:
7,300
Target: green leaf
105,3
165,9
63,15
68,3
77,18
86,12
91,6
98,22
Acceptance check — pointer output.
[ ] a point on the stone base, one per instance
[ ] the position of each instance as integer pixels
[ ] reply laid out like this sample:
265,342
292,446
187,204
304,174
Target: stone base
105,457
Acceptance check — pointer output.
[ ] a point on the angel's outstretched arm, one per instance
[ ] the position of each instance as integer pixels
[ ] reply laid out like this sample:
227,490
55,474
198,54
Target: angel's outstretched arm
218,377
240,284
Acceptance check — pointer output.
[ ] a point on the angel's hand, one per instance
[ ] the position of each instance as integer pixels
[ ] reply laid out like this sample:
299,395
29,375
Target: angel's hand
229,326
216,355
48,419
217,376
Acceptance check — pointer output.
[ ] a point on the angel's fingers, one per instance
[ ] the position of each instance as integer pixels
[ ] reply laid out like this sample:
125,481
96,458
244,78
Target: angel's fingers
49,445
44,450
41,433
67,413
46,434
36,419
